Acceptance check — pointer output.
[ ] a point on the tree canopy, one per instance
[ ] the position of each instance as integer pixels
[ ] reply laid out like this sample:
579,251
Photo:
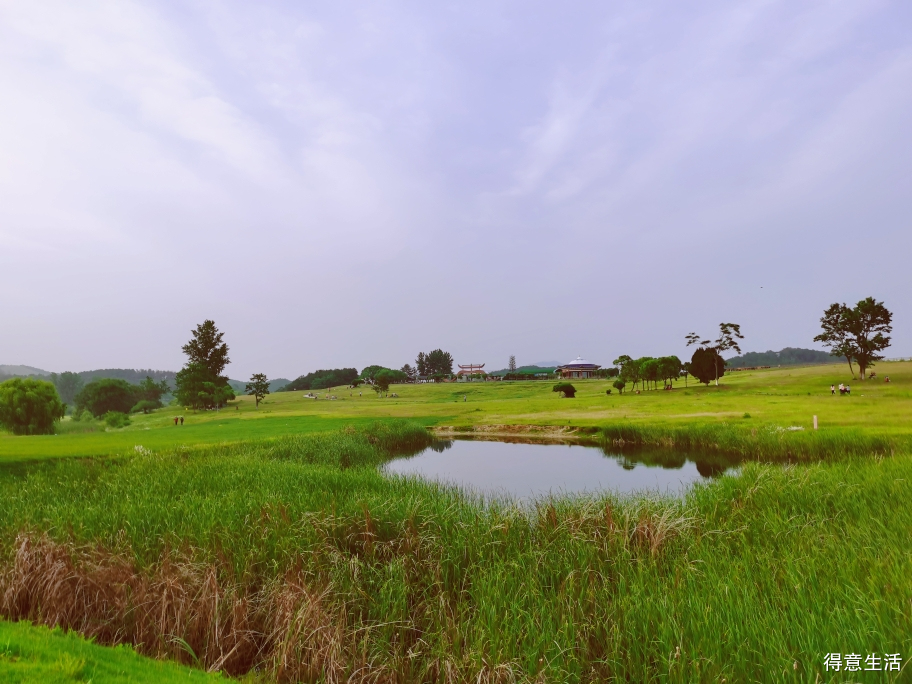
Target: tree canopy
200,383
381,377
787,356
149,393
207,348
29,407
729,334
258,387
435,364
706,365
860,332
410,372
322,379
107,394
68,385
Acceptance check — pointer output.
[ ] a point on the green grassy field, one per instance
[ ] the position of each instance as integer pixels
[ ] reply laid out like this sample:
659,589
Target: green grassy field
35,654
299,558
270,541
783,397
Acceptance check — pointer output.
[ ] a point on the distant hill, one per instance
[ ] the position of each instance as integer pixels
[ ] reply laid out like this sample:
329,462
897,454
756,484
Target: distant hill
277,384
131,375
790,356
240,386
526,369
21,371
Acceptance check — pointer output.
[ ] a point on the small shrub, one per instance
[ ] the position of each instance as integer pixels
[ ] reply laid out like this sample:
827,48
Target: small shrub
619,385
566,389
145,406
747,415
116,419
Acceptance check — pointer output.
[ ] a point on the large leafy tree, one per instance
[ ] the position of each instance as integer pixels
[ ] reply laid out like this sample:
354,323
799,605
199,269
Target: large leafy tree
436,364
870,324
706,364
381,377
258,387
200,383
370,373
650,370
150,391
669,368
198,389
860,332
629,369
208,348
107,394
68,385
729,334
835,335
29,407
410,372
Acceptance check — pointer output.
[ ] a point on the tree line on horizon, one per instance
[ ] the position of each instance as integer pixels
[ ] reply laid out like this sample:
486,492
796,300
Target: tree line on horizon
32,406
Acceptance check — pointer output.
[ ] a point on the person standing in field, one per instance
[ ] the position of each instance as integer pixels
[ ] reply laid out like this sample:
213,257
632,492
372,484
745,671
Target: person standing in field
833,390
182,420
175,420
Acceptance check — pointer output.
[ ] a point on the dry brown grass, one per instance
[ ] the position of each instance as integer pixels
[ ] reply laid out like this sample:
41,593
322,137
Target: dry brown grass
180,609
289,628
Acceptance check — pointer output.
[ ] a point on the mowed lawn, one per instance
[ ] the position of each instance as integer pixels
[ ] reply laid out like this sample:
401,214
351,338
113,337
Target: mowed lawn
782,396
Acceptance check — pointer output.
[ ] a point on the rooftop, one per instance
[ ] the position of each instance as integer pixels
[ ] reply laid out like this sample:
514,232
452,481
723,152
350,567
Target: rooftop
579,362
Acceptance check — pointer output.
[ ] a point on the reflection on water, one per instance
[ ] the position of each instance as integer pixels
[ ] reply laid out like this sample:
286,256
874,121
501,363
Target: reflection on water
525,470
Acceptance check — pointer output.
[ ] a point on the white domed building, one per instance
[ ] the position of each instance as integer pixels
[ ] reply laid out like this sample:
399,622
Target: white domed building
579,369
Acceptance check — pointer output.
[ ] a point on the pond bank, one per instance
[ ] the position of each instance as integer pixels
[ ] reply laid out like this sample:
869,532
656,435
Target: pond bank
761,442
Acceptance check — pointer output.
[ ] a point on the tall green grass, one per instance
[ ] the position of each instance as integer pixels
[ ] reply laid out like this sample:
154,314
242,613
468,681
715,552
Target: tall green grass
300,558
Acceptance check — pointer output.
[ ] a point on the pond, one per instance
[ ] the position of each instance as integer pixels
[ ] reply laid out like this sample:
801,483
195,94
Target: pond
528,470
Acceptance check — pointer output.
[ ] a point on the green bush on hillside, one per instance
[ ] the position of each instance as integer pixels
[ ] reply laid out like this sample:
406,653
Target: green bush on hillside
145,406
116,419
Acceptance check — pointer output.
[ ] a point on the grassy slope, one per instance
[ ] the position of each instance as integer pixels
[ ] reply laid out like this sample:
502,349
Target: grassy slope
788,396
37,654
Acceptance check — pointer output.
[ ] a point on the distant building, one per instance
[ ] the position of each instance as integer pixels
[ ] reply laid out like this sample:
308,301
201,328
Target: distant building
471,371
578,368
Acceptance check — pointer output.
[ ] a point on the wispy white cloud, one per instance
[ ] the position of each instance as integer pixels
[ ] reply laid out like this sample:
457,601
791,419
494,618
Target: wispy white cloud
332,167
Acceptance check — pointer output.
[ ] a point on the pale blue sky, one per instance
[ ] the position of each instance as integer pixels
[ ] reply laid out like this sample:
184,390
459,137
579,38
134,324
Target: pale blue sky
340,184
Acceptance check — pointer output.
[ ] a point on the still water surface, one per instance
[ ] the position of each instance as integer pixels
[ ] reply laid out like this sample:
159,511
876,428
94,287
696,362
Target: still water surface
525,471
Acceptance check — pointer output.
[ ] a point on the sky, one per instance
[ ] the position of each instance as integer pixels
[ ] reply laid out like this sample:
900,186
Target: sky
349,183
